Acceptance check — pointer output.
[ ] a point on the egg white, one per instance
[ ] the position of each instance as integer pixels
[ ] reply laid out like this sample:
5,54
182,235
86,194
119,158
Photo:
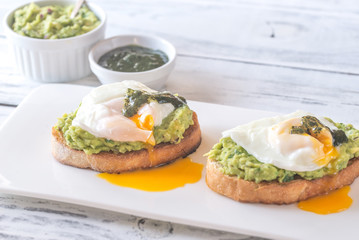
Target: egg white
101,114
264,140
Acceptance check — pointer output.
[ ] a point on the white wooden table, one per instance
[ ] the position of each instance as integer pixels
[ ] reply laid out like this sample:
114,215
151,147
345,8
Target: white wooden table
274,55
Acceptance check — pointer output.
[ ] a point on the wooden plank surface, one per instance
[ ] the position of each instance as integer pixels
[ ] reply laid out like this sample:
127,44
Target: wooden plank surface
30,218
265,32
233,83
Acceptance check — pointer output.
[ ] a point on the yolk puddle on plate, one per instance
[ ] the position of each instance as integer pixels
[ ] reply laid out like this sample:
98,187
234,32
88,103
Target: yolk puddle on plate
333,202
158,179
150,151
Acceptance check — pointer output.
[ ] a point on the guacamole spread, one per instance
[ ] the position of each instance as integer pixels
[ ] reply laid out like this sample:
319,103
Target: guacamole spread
53,22
171,130
236,161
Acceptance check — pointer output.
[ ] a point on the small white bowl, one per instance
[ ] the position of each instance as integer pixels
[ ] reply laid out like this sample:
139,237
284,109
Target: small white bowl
155,78
54,60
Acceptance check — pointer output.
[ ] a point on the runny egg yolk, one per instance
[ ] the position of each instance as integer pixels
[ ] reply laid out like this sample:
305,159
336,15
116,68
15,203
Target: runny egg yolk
151,153
146,123
163,178
332,202
323,143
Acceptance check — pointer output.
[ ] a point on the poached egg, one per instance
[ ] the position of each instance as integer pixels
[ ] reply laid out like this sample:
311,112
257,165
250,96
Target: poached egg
101,114
270,140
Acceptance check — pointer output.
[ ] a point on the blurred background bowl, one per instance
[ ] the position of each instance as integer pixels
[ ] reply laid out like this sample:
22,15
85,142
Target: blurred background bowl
54,60
155,78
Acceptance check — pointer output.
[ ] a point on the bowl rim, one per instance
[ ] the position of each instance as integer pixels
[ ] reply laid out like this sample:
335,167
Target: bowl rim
156,38
91,6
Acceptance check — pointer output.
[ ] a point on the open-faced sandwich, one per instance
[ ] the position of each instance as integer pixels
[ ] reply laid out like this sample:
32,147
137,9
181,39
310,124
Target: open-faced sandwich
284,159
126,126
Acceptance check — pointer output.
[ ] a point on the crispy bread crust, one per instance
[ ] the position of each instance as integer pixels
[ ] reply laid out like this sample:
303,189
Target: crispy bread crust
275,192
129,161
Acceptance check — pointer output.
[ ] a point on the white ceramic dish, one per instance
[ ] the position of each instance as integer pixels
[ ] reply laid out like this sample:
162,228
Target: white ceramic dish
155,78
27,168
55,60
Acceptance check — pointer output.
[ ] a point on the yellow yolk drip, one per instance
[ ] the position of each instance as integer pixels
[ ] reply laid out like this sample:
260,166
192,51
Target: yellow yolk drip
324,140
330,153
151,154
164,178
332,202
146,124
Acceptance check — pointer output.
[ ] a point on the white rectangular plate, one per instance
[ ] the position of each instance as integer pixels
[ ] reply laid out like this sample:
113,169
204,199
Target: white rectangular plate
28,168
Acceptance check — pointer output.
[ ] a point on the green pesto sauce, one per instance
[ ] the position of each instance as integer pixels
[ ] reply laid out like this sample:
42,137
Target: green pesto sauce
53,22
170,131
133,58
134,99
312,126
236,161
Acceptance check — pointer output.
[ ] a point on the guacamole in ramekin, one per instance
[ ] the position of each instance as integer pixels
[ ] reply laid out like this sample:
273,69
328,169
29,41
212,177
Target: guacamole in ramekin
53,22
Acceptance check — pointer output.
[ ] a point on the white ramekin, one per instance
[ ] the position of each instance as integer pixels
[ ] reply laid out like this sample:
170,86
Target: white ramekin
155,78
54,60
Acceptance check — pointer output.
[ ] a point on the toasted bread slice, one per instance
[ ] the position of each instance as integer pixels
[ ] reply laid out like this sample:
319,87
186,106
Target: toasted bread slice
129,161
275,192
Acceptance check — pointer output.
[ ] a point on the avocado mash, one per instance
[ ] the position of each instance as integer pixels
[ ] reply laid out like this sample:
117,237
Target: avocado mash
236,161
171,130
52,22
